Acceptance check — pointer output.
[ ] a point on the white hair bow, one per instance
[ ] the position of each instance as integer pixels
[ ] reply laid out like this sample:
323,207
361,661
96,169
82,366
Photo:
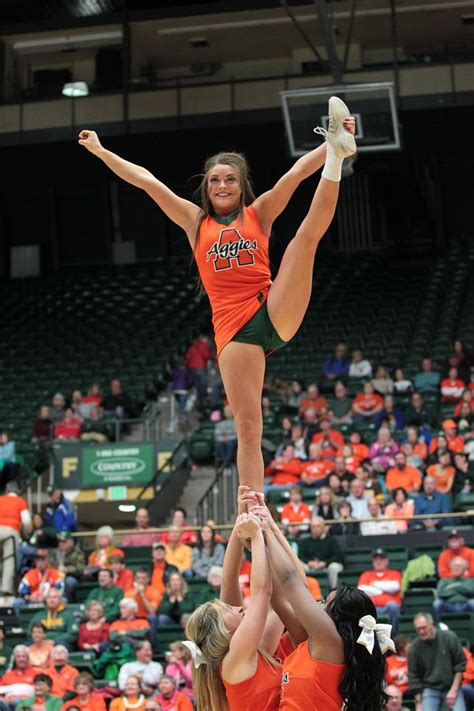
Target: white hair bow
370,630
196,653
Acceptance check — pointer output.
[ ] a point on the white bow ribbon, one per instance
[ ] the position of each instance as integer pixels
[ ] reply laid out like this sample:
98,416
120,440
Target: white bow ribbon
196,653
370,630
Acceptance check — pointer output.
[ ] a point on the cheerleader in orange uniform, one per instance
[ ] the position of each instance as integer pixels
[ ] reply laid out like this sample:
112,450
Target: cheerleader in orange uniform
229,237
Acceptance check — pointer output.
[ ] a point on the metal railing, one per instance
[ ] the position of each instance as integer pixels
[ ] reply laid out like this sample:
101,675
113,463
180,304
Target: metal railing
219,502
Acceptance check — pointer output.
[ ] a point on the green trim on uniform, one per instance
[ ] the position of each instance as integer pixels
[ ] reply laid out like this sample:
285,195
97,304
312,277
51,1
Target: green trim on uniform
226,219
260,331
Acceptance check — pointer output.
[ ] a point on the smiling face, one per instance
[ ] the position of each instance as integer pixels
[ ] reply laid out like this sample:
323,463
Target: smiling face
132,686
224,190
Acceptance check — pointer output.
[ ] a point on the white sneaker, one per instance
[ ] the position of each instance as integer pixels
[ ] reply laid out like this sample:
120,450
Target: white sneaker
341,141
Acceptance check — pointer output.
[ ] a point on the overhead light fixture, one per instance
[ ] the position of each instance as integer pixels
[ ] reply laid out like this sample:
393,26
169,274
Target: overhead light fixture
127,508
75,89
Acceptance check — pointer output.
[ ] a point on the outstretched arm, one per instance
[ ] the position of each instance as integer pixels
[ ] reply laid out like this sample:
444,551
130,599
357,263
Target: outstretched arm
271,204
183,212
231,592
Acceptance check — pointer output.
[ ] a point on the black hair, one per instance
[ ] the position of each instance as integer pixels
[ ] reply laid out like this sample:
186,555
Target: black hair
44,677
213,538
395,492
362,684
183,511
39,626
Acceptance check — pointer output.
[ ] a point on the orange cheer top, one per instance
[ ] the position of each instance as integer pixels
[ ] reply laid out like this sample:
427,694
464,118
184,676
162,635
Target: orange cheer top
309,683
235,271
261,691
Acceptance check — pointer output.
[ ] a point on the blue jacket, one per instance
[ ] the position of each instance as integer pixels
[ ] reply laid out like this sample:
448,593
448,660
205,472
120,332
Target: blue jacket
436,504
62,517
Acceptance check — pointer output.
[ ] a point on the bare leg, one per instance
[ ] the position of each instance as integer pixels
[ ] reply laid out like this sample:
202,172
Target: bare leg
289,295
242,367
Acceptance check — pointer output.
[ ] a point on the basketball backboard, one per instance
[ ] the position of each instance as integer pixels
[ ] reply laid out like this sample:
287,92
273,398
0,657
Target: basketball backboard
373,105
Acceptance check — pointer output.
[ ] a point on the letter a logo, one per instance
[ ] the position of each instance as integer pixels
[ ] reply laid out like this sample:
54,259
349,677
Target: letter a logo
231,246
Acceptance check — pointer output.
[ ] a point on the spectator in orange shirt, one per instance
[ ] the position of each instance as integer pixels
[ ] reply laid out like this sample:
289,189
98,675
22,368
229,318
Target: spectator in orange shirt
314,400
396,670
179,519
100,556
22,673
147,597
452,387
455,441
316,469
467,397
129,628
400,509
41,648
296,511
85,698
418,443
455,549
366,405
36,583
170,698
383,586
351,460
122,577
15,518
285,470
61,673
402,475
161,568
443,472
329,440
359,449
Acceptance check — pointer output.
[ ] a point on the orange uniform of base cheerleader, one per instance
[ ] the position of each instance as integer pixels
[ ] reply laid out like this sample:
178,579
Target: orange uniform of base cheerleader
261,691
234,268
309,683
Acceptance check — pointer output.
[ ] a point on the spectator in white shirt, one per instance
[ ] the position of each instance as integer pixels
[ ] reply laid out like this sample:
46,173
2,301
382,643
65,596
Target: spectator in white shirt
360,367
376,527
148,671
357,499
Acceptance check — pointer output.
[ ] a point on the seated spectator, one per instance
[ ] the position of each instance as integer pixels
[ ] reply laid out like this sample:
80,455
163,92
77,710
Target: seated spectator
329,440
454,441
207,553
170,698
368,476
284,470
416,414
69,559
117,403
462,478
179,519
358,499
40,536
268,413
95,428
452,387
316,469
122,576
176,604
438,445
60,513
336,367
455,549
403,476
341,406
131,698
42,426
467,398
20,678
420,450
344,527
99,558
379,526
360,367
463,371
430,501
366,405
225,436
69,427
147,597
58,407
443,473
465,419
383,586
325,504
94,396
79,409
338,487
129,628
94,632
383,383
361,451
42,698
61,673
60,623
292,398
142,536
144,668
427,380
39,652
179,666
295,511
455,593
383,450
341,471
391,415
85,699
213,589
37,582
351,460
296,440
177,553
396,673
321,551
161,569
314,401
401,510
401,385
108,594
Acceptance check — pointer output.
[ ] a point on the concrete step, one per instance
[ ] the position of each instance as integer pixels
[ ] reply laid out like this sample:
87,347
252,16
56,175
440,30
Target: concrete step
198,483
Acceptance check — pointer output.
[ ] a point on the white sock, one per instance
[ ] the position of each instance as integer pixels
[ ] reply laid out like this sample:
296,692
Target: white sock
333,165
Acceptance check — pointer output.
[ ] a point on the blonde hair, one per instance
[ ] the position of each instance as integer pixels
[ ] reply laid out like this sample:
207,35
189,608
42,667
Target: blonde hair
180,647
184,585
326,490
